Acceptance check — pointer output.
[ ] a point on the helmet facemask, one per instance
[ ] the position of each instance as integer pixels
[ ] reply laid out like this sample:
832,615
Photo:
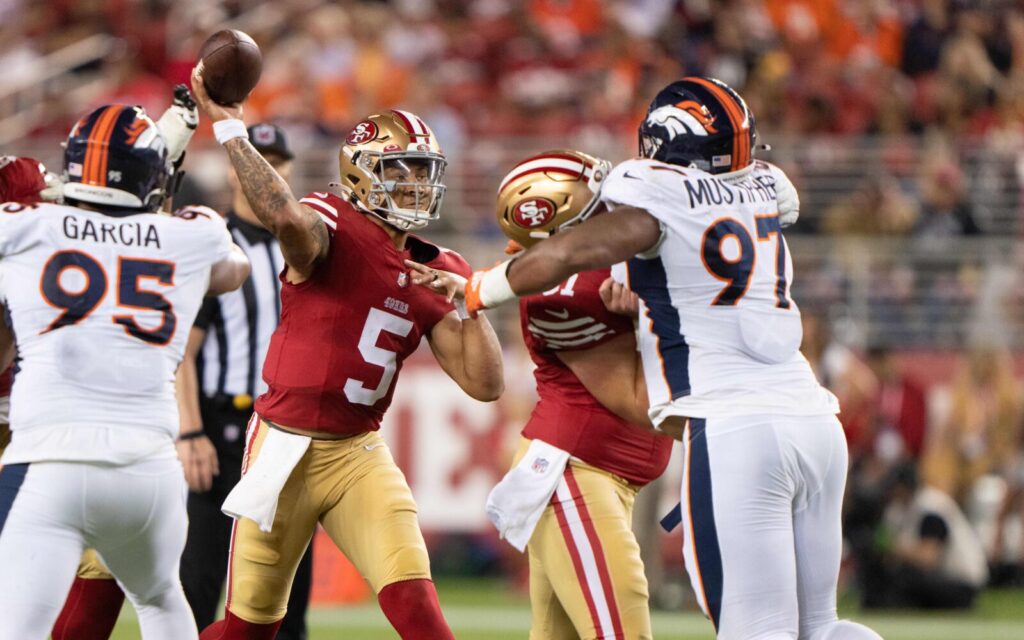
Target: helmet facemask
406,187
392,166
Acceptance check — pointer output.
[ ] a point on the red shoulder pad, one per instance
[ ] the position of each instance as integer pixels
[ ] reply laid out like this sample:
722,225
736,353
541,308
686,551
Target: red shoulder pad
21,179
572,315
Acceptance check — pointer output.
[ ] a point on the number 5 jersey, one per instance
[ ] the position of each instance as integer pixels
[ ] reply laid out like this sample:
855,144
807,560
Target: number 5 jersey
101,305
719,334
344,333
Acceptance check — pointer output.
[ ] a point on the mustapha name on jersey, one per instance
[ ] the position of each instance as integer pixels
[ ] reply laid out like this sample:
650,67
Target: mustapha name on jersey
126,233
704,191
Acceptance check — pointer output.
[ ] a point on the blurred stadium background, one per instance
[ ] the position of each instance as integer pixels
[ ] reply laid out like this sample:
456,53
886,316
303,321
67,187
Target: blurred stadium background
900,121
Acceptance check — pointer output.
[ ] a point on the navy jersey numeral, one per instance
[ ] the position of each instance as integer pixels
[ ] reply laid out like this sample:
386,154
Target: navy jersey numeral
738,271
76,305
131,294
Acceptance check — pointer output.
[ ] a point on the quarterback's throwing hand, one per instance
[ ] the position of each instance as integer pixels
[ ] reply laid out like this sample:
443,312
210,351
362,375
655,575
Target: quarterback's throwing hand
217,112
618,298
450,285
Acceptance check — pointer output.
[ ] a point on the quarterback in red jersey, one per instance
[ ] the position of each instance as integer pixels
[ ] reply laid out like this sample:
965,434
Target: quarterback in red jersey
584,453
349,317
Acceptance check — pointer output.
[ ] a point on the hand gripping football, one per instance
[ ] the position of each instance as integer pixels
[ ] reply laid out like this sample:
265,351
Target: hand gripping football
231,65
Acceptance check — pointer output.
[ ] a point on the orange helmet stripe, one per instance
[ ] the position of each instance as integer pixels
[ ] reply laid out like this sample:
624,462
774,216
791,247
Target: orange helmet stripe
97,146
105,146
740,123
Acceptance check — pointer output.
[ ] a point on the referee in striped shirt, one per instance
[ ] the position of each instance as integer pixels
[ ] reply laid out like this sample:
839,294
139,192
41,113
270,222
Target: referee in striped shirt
217,382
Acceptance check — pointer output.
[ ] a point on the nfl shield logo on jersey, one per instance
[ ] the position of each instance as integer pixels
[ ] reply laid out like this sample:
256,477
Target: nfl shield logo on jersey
403,279
539,466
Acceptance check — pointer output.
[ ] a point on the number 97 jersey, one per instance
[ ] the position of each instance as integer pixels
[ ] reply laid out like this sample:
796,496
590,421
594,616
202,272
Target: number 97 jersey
720,335
101,306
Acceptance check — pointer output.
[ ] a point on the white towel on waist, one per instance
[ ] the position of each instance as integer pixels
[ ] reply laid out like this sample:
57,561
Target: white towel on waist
517,502
255,496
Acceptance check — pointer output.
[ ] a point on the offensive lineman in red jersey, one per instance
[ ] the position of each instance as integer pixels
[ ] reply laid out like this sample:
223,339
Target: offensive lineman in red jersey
586,576
349,317
21,180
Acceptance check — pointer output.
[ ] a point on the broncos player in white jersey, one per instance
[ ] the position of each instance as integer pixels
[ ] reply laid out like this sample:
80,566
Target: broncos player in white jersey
698,222
101,293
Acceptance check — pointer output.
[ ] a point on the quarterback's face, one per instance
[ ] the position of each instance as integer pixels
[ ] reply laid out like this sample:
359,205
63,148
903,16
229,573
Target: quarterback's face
411,182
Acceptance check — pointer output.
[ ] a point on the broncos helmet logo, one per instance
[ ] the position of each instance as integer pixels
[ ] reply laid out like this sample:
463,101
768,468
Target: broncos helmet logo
682,118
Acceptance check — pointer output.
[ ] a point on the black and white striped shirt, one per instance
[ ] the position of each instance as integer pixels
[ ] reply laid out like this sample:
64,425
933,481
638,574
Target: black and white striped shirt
239,324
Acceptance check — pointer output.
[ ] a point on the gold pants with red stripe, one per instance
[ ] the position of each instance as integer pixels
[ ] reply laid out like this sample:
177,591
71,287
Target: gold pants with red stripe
356,491
586,576
90,566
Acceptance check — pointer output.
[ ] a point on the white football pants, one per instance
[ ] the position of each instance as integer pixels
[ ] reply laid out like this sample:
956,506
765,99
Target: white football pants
762,540
133,515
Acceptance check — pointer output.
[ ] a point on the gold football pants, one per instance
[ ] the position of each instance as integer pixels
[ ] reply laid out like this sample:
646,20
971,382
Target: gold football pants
586,577
356,491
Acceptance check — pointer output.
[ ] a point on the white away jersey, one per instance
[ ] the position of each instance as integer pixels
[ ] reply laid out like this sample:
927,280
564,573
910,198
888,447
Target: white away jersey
101,306
719,333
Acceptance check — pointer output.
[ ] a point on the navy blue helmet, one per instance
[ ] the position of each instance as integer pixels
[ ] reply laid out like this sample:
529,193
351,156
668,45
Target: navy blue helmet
699,122
116,157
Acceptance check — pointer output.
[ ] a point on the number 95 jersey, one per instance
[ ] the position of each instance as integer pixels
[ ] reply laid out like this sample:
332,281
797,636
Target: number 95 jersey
101,305
720,334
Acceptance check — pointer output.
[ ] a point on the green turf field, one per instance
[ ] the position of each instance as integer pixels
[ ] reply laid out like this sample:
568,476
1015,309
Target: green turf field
486,610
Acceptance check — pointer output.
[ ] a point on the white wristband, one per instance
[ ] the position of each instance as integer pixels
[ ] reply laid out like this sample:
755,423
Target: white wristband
460,309
494,287
230,129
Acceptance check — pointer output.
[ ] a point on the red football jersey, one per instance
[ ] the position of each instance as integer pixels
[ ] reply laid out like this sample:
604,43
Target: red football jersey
572,317
21,180
334,359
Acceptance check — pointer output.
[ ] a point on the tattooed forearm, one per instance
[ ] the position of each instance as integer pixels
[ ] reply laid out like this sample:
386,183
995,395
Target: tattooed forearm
302,234
265,190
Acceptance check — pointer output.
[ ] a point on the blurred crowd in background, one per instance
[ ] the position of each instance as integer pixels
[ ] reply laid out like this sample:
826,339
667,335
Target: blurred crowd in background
899,120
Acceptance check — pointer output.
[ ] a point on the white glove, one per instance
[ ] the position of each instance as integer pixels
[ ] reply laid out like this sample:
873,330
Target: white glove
789,200
178,123
54,190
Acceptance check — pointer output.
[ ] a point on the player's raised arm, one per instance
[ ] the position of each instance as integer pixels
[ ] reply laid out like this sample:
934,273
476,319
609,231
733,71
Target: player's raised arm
601,241
299,229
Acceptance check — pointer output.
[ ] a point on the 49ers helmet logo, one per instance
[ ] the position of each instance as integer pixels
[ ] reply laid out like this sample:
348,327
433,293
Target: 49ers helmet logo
533,213
362,133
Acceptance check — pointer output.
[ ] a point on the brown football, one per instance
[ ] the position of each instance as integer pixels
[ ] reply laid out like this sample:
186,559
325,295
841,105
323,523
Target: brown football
232,64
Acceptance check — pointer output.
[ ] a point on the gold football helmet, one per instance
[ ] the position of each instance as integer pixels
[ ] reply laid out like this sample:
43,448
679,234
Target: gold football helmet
547,193
393,167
